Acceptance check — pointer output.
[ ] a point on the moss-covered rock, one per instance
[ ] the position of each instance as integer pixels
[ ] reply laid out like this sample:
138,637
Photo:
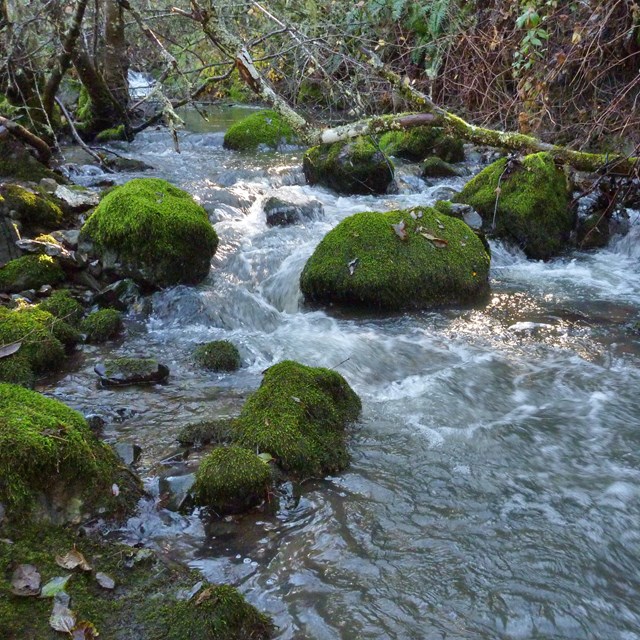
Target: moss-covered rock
144,605
219,355
17,163
152,232
231,480
43,339
117,372
417,143
35,212
115,133
102,325
207,432
298,415
49,456
30,272
262,128
434,167
63,306
404,259
533,203
353,167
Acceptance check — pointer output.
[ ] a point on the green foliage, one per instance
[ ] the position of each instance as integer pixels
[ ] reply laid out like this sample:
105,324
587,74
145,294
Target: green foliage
298,415
532,46
219,355
365,262
46,446
29,272
263,128
532,204
231,480
160,236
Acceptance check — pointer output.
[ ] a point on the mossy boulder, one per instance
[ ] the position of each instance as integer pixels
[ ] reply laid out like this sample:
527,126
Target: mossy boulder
30,272
35,212
152,600
263,128
153,232
533,203
115,133
51,464
298,415
434,167
120,372
219,355
417,143
353,167
231,480
405,259
101,325
63,306
42,337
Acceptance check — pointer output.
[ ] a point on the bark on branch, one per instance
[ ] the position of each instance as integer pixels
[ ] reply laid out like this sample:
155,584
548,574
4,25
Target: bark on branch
42,149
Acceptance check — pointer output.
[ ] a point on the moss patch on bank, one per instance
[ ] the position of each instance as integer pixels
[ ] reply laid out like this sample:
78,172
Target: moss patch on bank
30,272
417,143
298,415
101,325
153,232
63,306
402,259
33,210
533,203
145,603
263,128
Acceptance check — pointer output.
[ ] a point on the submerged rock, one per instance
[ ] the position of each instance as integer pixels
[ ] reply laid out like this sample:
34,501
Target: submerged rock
263,128
405,259
219,355
299,415
281,212
529,200
152,232
434,167
231,480
52,466
352,167
121,372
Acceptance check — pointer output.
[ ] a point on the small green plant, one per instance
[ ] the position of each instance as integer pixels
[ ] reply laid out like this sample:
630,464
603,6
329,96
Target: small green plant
533,43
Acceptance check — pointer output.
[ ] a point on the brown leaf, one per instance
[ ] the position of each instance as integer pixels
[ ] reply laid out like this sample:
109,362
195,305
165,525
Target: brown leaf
84,631
400,230
62,618
204,596
25,581
441,243
72,560
9,349
105,581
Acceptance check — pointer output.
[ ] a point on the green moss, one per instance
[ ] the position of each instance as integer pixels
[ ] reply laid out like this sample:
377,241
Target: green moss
16,369
417,143
231,480
33,211
115,133
17,163
207,432
219,355
353,167
265,127
43,339
131,367
63,306
102,325
363,262
143,605
29,272
47,448
533,204
298,415
443,206
84,110
434,167
154,231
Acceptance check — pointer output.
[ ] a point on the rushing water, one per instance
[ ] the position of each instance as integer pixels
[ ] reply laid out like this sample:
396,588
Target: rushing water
494,490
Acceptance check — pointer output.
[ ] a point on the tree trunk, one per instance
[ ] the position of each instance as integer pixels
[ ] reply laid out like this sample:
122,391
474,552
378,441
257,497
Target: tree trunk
115,63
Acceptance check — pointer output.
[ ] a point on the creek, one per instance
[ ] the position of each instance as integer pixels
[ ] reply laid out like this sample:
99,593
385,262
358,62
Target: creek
494,488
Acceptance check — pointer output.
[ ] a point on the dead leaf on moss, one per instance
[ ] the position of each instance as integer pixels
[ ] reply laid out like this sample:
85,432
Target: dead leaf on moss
441,243
25,581
84,631
72,560
62,618
9,349
204,596
400,230
105,581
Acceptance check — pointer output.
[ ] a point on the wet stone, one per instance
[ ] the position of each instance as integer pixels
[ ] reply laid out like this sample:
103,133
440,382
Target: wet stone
131,371
120,295
176,491
129,453
281,212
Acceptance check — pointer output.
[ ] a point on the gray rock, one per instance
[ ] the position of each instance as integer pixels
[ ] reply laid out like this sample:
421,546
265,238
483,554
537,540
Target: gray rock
120,372
281,212
8,238
49,185
68,238
175,491
76,200
129,453
120,295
